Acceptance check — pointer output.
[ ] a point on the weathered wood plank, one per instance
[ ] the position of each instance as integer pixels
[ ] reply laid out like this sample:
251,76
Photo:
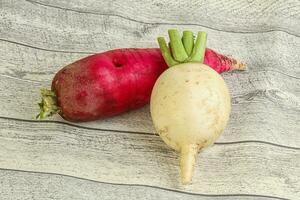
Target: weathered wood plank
255,113
258,153
34,64
248,168
78,32
232,16
27,185
261,86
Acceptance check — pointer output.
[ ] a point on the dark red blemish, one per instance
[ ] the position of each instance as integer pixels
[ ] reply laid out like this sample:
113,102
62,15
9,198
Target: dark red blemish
82,80
117,64
64,71
119,60
81,96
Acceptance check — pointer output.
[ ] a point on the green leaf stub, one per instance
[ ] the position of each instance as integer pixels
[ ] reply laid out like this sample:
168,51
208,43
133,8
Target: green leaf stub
185,49
48,105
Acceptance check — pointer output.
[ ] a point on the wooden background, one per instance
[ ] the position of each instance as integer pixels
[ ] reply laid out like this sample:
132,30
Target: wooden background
258,156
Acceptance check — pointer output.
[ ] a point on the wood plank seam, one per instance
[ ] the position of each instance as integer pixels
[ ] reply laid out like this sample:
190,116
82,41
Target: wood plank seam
151,186
160,23
143,133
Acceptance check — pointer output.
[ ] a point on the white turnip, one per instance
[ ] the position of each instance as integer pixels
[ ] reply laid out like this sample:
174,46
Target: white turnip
190,102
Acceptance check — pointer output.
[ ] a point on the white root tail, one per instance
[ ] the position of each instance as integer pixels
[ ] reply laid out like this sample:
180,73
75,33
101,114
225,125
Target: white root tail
187,163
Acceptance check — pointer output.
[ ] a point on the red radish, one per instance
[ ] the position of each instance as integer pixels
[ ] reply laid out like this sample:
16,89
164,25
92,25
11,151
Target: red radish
113,82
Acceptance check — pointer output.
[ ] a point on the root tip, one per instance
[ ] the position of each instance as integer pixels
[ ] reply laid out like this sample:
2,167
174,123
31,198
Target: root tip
240,66
187,163
186,180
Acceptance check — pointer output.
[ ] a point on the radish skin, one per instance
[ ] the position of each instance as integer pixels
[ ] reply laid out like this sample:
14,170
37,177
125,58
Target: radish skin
190,103
113,82
190,106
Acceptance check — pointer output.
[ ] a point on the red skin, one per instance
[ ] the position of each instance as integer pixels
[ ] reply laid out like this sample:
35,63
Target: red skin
116,81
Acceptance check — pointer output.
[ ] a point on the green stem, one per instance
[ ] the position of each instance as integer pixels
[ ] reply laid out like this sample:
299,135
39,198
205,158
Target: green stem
48,105
188,41
183,50
177,47
199,48
166,52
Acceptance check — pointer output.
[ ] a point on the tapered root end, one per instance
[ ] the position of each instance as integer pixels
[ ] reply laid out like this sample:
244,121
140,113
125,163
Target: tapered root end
187,163
238,65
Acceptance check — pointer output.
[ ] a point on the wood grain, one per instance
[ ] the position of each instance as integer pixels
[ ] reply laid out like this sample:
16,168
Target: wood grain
144,159
258,156
102,33
33,64
254,116
32,185
231,16
39,65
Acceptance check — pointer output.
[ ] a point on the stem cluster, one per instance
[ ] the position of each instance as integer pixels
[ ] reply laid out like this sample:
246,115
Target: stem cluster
183,49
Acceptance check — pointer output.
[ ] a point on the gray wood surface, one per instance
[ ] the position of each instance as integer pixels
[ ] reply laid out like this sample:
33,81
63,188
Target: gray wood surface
258,156
33,185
